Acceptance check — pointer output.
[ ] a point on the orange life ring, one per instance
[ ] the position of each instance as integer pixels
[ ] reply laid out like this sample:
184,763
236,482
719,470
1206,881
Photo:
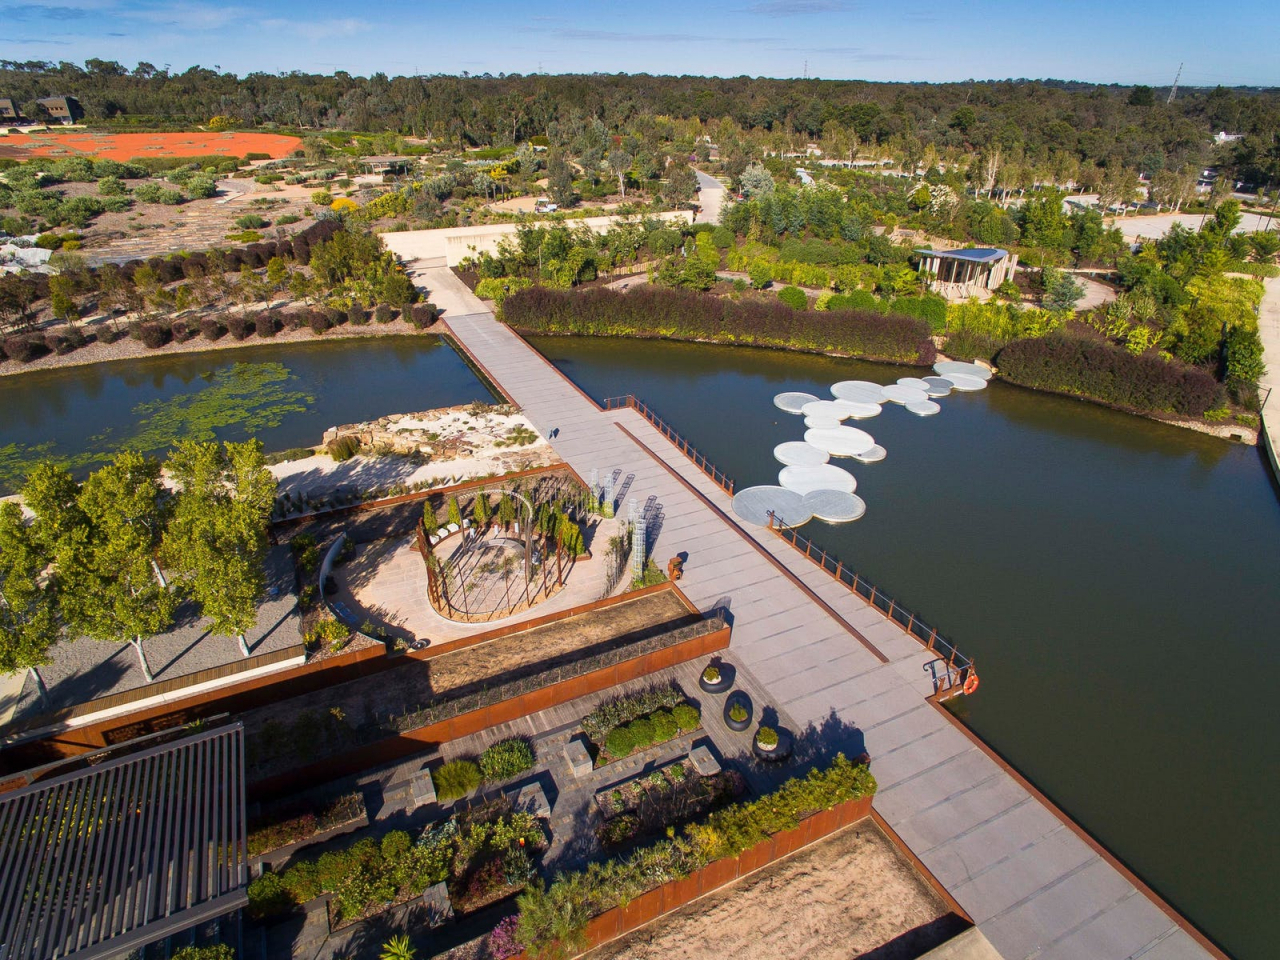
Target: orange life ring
971,685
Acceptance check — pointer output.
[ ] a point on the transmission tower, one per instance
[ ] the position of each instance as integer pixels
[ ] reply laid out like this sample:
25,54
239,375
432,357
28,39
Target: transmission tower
1174,92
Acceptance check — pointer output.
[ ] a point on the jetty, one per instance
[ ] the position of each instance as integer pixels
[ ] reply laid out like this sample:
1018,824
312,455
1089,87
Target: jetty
839,666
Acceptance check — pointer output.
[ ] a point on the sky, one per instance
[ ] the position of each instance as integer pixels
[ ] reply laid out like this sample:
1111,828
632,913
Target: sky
1103,41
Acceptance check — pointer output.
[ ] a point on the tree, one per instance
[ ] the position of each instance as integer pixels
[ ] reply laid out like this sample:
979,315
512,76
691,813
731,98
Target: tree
506,509
217,539
1061,291
755,181
620,164
453,512
1141,96
111,588
560,180
28,600
62,299
480,510
53,496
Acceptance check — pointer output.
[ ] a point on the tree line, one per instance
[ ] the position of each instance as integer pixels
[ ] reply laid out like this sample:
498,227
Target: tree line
113,558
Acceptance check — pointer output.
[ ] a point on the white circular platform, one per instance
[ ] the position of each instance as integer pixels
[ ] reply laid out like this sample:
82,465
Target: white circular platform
821,423
797,453
859,391
834,506
840,442
965,383
793,402
916,382
825,408
859,410
938,386
874,455
826,476
923,408
947,367
754,504
900,394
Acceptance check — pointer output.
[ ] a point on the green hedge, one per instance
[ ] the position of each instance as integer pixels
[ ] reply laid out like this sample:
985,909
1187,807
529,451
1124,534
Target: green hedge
1102,371
554,920
652,311
506,759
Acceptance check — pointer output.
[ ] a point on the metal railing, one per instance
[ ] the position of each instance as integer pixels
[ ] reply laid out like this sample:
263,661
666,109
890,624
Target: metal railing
718,476
959,670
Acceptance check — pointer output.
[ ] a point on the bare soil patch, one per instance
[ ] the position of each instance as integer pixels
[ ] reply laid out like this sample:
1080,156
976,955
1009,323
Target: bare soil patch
851,895
126,146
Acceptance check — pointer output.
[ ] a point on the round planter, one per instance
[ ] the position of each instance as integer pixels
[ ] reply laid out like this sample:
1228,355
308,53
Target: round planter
779,753
721,685
732,724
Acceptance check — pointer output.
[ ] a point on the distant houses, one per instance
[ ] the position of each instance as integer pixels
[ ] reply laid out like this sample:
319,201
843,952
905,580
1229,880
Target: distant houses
8,110
62,109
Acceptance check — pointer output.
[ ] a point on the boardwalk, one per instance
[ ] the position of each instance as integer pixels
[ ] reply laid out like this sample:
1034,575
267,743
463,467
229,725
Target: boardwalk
1035,887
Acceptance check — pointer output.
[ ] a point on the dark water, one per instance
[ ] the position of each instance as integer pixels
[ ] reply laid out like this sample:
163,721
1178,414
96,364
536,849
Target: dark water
79,413
1113,578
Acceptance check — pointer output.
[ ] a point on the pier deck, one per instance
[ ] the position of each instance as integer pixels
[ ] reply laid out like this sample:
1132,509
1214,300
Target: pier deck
1035,886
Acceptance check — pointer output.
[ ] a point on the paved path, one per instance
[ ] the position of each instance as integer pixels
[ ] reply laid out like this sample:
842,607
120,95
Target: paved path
711,196
1155,227
1269,330
1032,884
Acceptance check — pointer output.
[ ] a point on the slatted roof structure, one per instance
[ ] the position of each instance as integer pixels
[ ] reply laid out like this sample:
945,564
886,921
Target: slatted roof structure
106,859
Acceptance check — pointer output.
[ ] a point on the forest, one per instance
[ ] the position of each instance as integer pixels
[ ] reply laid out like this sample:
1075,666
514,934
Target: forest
1043,119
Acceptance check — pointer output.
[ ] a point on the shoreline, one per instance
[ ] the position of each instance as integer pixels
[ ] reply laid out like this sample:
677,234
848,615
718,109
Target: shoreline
127,349
1229,432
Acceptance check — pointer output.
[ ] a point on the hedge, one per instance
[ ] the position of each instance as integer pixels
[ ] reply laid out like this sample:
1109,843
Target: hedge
651,311
1102,371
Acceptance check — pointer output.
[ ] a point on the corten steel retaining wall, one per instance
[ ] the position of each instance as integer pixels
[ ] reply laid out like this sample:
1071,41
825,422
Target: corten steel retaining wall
432,735
283,685
677,893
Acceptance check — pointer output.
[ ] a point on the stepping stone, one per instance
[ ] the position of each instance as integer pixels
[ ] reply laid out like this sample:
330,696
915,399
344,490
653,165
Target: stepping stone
858,410
923,408
754,504
835,506
821,423
826,476
799,454
897,393
793,402
938,386
913,382
947,367
965,383
840,442
858,391
872,455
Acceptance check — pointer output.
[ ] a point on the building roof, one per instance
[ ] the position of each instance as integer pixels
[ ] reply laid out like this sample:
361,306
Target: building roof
974,255
105,859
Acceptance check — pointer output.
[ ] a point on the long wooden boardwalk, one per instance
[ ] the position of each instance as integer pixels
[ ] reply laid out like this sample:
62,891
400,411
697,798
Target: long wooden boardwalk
1035,886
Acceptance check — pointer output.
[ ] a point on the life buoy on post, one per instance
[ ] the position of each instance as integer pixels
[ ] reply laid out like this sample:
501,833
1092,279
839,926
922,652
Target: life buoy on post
971,685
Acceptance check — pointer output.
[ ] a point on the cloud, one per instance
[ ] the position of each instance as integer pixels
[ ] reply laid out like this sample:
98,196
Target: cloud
797,8
32,41
32,11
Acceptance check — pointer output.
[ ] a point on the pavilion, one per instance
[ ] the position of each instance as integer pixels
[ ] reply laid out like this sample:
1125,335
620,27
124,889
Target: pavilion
960,274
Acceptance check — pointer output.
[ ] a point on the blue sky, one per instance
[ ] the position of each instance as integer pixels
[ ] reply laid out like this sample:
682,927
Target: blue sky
1112,41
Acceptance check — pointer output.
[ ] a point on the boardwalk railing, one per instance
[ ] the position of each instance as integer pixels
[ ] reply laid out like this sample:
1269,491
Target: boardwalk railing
959,672
702,463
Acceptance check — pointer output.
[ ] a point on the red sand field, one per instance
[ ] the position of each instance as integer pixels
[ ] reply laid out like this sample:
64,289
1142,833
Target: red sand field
126,146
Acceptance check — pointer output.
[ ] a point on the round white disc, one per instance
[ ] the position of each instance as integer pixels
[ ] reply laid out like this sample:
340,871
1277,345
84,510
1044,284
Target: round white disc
900,394
754,505
947,367
913,382
826,476
858,410
923,408
873,455
840,442
821,423
825,408
793,402
965,383
938,386
799,454
859,391
834,506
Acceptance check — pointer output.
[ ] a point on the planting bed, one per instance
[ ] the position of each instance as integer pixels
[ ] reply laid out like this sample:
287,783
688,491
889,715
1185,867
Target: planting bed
670,796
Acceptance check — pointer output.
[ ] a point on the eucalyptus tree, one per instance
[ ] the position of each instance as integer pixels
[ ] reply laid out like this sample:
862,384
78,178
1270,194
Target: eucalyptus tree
216,541
28,598
110,585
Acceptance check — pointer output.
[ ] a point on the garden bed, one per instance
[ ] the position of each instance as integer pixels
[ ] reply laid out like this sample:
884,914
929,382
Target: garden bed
668,797
622,725
290,826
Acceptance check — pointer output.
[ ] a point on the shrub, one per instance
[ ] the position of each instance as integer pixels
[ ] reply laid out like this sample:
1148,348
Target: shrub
287,219
501,943
268,897
619,743
211,329
356,315
238,326
423,315
343,448
318,322
506,759
382,314
652,311
664,726
23,349
642,732
264,325
711,674
395,844
155,335
767,737
250,221
793,297
1102,371
182,331
455,779
686,717
620,710
58,343
738,713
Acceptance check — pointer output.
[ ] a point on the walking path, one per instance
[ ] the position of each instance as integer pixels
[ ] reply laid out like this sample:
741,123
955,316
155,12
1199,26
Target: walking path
1269,331
1035,886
